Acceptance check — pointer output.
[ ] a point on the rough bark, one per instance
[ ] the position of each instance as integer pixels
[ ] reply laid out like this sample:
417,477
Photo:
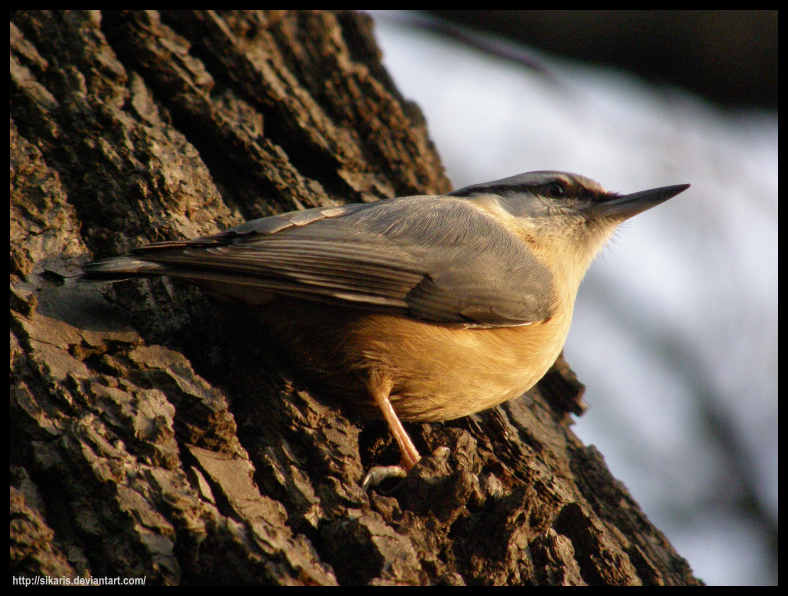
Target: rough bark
153,434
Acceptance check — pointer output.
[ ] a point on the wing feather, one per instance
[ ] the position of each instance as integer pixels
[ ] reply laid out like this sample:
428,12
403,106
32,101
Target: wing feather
438,259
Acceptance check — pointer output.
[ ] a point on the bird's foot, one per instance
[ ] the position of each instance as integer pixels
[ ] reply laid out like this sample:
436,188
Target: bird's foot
380,473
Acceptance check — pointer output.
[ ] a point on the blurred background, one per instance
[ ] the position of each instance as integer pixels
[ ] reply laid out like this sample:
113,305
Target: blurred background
675,327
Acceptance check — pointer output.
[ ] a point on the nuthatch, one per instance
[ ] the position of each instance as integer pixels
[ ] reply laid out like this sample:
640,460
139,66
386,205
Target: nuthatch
424,308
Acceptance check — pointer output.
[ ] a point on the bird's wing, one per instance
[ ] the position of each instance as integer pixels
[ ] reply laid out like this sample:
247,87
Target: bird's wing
436,259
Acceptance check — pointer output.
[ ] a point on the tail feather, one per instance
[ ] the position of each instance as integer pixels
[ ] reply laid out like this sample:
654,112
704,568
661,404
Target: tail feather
120,268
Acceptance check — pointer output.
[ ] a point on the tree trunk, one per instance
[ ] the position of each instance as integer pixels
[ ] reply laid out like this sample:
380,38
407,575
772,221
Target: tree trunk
153,432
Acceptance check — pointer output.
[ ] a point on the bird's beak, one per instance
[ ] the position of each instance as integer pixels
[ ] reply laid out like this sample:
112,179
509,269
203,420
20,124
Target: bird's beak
625,206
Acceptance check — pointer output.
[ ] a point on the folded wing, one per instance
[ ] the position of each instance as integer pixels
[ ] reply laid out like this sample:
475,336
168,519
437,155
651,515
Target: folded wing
437,259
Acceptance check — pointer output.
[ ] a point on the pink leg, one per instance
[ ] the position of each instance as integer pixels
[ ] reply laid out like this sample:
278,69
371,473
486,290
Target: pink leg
410,455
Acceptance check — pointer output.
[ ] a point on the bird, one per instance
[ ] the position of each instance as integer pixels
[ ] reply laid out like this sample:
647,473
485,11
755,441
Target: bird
420,308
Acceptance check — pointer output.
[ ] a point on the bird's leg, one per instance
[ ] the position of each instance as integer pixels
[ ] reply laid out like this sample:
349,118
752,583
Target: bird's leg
410,455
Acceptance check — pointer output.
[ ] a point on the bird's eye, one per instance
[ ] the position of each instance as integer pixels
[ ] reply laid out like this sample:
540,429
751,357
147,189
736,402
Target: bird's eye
556,189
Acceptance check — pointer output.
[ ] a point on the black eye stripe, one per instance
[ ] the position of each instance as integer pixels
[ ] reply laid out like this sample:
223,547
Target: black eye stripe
555,189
